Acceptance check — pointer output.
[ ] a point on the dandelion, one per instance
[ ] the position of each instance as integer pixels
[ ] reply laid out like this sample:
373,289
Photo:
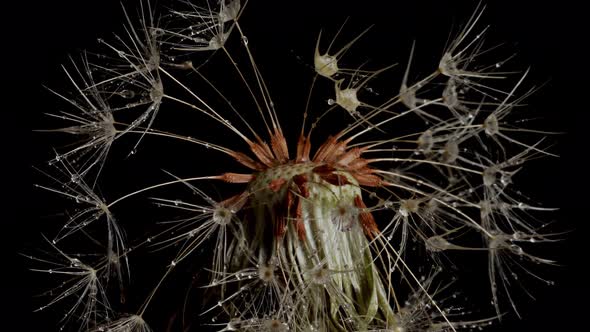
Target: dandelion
305,226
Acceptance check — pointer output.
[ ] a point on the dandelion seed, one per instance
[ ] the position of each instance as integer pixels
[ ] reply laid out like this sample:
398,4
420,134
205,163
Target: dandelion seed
132,323
82,283
327,65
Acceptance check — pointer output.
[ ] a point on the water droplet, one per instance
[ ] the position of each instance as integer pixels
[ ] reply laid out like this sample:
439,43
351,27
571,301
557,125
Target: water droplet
75,178
127,94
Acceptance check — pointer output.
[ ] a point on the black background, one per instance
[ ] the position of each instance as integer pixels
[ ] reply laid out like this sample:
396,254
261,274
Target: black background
40,35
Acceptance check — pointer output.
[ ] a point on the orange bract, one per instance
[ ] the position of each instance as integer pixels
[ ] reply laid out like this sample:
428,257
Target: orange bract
331,162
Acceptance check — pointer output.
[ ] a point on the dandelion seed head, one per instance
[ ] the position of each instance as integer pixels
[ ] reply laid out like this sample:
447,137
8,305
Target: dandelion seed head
266,273
347,98
321,275
447,65
222,215
491,126
409,206
326,65
450,153
323,233
437,243
426,141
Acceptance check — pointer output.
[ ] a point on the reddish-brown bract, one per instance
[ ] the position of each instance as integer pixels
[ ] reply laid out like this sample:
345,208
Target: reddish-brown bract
333,163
